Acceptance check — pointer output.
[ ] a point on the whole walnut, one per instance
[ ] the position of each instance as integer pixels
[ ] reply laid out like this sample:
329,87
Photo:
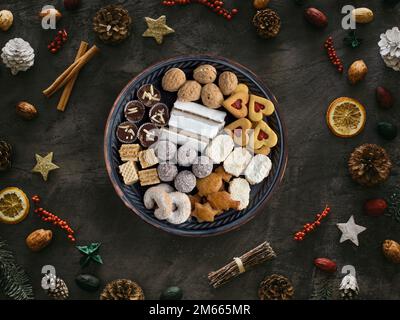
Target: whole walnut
205,74
212,96
391,250
227,82
39,239
173,79
190,91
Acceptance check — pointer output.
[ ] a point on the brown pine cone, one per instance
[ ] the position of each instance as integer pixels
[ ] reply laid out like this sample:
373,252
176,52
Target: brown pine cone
5,155
122,289
275,287
369,165
112,24
267,23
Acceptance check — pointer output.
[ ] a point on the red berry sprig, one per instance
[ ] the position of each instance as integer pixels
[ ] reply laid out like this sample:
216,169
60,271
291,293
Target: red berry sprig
214,5
58,41
308,227
331,51
47,216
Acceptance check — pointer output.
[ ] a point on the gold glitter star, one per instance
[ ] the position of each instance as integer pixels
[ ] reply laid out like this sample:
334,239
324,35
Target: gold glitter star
44,165
157,28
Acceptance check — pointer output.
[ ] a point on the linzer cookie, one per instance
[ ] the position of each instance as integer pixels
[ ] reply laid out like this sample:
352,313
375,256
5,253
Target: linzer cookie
149,95
127,132
129,173
147,158
129,152
259,107
134,111
263,136
159,114
236,104
148,134
148,177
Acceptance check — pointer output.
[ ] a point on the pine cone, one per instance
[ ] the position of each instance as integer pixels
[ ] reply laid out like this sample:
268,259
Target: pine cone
267,23
60,291
348,287
5,155
112,24
369,165
275,287
122,289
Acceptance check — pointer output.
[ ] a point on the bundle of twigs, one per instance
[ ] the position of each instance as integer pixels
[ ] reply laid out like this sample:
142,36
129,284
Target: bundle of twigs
258,255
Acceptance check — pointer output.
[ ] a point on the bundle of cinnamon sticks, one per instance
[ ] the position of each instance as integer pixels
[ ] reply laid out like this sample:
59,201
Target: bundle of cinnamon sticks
67,79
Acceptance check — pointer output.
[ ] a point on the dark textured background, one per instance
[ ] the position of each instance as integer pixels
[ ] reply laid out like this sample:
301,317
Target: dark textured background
296,69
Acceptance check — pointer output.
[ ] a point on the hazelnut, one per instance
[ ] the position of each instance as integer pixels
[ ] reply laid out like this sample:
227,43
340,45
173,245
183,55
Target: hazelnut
205,74
26,110
211,96
227,82
39,239
6,19
173,79
190,91
357,71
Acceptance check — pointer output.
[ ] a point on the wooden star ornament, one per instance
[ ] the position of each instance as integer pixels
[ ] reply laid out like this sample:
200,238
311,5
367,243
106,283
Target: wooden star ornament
350,231
44,165
157,28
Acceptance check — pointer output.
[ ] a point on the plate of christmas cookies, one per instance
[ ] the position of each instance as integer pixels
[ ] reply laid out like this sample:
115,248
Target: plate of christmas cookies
195,145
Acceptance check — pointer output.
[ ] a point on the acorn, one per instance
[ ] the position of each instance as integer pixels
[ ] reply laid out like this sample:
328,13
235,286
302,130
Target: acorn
384,98
375,207
387,130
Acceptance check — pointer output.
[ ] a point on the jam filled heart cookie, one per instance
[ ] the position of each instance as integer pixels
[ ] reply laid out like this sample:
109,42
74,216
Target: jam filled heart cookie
260,107
263,136
236,104
241,87
238,130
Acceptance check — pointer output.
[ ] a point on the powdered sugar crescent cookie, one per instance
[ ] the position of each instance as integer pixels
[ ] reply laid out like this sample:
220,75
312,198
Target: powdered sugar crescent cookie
237,161
219,148
258,169
182,211
239,189
159,196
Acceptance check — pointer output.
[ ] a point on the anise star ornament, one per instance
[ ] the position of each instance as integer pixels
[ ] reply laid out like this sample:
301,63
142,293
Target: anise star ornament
44,165
157,28
350,231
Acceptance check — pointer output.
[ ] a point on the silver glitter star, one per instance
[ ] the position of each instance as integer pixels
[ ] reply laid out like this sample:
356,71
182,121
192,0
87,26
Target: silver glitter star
350,231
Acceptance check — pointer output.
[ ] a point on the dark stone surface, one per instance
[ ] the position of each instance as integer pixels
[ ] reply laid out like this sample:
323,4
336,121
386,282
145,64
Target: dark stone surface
295,67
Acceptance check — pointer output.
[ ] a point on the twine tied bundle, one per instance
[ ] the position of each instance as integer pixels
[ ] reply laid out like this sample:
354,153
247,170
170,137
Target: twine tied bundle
237,266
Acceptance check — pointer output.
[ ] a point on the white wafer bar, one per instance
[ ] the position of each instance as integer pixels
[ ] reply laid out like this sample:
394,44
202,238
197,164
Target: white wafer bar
182,137
129,173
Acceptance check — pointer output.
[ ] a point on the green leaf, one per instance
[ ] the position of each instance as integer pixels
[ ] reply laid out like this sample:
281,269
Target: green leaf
97,259
83,249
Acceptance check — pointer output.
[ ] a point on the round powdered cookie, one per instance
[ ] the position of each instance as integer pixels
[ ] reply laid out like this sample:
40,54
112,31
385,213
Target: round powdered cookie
219,148
167,171
165,150
185,181
186,155
202,167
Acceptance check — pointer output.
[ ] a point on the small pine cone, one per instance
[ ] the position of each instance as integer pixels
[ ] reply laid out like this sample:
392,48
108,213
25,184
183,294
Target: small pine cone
267,23
122,289
112,24
60,292
5,155
275,287
369,165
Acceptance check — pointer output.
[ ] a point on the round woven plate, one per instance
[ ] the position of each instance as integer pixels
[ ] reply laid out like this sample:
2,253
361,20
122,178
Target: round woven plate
132,196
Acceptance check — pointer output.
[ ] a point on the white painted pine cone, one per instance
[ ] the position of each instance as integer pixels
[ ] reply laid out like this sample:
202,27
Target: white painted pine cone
389,46
18,55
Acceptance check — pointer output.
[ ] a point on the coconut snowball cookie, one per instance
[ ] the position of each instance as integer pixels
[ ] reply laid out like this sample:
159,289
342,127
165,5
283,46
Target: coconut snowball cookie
219,148
203,167
227,82
167,171
173,79
239,189
205,74
186,155
258,169
185,181
165,150
237,161
211,96
190,91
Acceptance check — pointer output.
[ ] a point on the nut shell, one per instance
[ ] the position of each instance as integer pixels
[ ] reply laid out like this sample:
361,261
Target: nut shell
227,82
205,74
26,110
363,15
173,79
357,71
52,11
6,19
190,91
39,239
211,96
391,250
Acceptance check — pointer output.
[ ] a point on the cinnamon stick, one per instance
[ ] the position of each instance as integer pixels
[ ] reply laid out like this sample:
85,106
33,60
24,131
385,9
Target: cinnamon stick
70,85
70,72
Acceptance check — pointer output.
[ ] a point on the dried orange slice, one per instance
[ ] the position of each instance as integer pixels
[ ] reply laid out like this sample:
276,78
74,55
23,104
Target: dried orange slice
346,117
14,205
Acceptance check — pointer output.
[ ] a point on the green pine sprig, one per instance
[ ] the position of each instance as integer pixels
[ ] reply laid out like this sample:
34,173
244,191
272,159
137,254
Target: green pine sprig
14,281
322,288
